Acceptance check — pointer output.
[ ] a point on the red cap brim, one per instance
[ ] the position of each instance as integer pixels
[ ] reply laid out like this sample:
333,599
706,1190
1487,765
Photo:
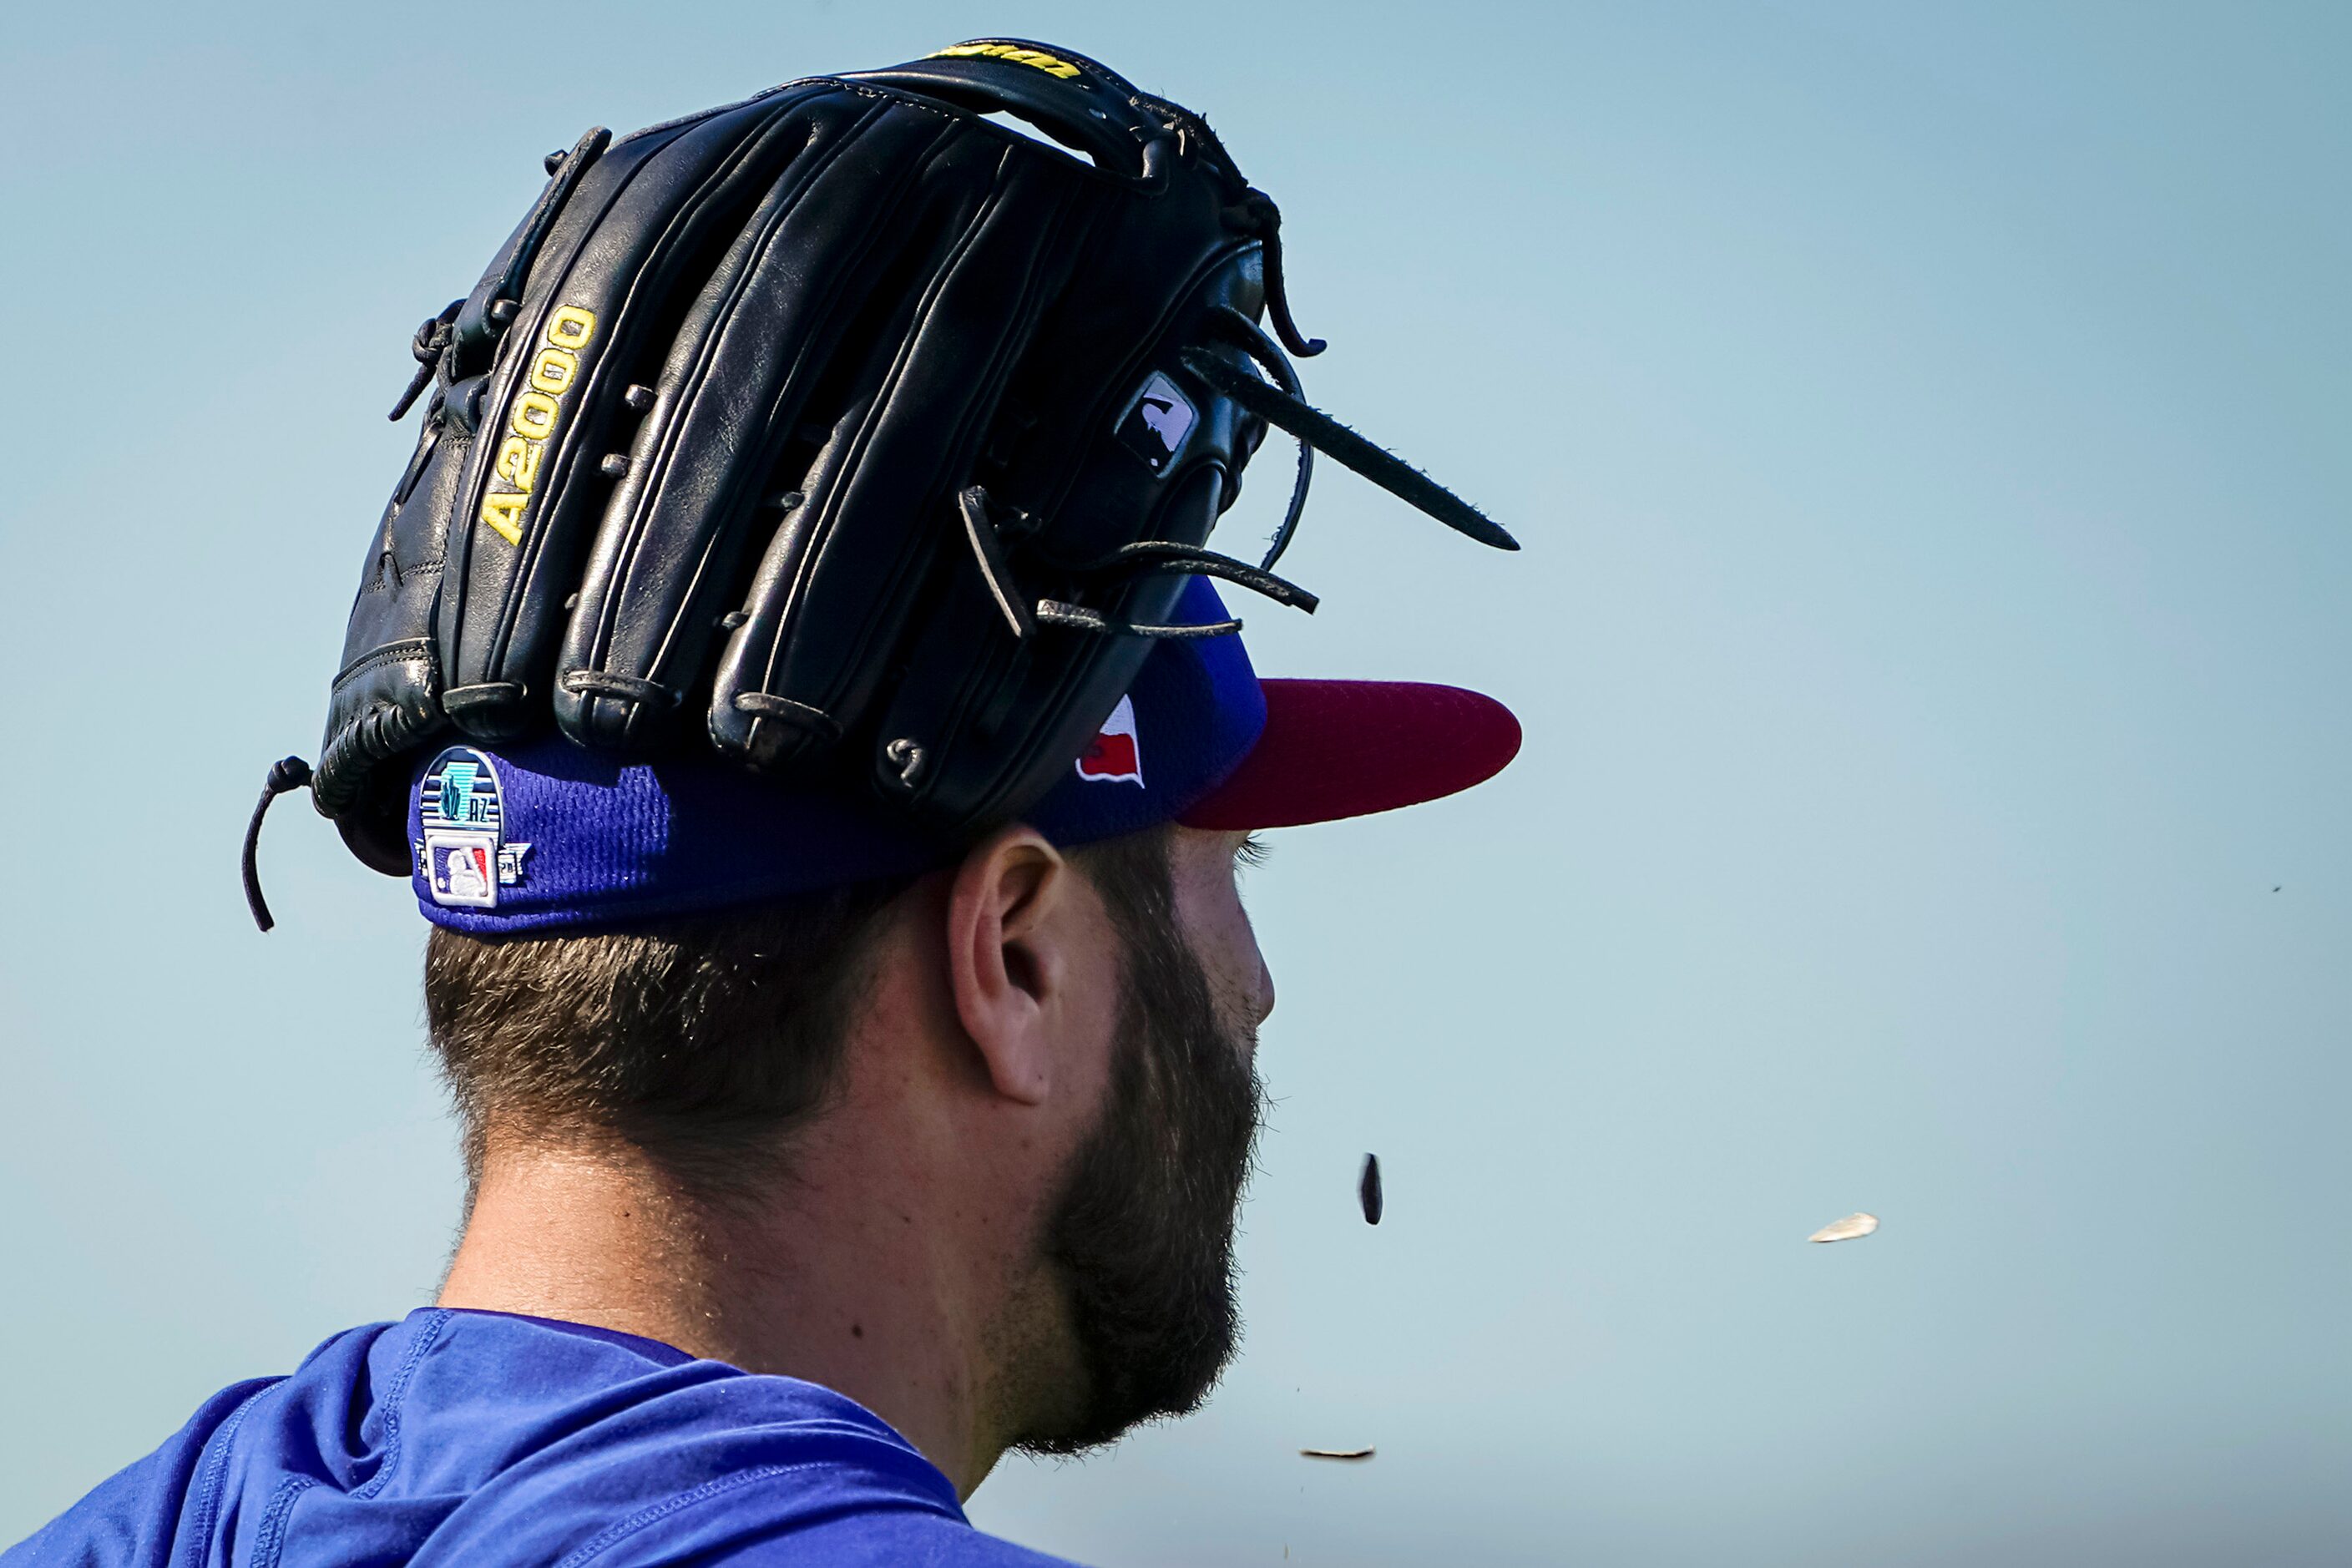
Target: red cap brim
1346,748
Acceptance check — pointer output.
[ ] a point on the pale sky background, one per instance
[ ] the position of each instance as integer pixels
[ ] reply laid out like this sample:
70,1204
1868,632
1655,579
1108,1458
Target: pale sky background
1927,426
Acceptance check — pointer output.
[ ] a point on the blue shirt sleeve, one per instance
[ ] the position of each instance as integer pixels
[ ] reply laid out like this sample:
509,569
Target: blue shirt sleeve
131,1519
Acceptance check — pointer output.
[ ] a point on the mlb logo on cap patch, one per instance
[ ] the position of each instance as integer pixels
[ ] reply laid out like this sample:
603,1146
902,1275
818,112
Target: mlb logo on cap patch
1114,756
1157,423
462,856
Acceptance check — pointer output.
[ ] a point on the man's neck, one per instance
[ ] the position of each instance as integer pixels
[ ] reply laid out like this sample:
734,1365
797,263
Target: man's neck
855,1297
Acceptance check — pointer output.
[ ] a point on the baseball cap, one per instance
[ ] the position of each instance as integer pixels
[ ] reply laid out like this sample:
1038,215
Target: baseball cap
545,834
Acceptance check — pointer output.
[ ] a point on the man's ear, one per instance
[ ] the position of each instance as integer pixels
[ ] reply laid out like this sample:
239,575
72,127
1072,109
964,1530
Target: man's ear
1009,958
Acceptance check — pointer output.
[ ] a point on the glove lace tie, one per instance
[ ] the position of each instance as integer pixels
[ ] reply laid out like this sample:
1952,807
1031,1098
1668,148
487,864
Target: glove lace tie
1255,214
1143,557
285,774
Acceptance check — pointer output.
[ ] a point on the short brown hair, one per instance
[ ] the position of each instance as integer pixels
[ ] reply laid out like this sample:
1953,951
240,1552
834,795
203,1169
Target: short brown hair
702,1040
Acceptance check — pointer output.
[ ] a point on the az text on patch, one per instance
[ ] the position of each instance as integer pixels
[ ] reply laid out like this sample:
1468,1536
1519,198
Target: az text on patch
531,422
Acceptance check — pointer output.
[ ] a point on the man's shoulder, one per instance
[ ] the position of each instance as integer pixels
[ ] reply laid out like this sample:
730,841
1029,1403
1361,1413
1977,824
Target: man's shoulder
469,1438
895,1539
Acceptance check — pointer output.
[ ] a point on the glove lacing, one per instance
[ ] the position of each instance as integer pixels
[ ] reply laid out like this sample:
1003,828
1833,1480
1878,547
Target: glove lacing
285,774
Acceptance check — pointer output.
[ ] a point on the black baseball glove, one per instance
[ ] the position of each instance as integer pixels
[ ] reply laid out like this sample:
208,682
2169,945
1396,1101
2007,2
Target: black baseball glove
842,429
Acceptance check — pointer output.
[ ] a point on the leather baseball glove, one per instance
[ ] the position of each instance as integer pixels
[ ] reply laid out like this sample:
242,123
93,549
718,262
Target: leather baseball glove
842,429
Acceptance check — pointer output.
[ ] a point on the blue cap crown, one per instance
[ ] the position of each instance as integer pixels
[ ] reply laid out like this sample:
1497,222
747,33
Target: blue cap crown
545,834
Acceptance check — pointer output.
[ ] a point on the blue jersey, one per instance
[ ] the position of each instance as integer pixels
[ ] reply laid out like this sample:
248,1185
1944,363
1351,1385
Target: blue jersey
456,1439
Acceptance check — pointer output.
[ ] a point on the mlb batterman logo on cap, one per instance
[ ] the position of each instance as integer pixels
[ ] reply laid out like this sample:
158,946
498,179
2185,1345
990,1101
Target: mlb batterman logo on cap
548,835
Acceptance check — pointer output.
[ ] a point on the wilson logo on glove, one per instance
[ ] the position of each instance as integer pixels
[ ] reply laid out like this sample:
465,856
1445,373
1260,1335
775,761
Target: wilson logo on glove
532,421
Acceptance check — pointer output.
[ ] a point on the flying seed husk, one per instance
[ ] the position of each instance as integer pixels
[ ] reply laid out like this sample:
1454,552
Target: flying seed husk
1847,1229
1368,1189
1334,1453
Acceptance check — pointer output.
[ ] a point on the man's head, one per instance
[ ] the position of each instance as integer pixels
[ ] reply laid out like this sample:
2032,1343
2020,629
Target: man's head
956,1127
790,671
1052,1052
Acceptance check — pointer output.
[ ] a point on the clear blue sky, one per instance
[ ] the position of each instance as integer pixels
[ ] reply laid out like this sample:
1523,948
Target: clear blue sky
1927,426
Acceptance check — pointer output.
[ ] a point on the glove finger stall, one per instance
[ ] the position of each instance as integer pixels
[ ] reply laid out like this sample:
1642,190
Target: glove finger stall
852,568
650,213
731,401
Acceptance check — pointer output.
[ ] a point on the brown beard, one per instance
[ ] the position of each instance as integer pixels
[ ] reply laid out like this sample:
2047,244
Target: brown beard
1143,1234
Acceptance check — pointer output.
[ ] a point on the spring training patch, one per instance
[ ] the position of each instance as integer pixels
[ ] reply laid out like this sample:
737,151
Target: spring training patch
1157,423
462,856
